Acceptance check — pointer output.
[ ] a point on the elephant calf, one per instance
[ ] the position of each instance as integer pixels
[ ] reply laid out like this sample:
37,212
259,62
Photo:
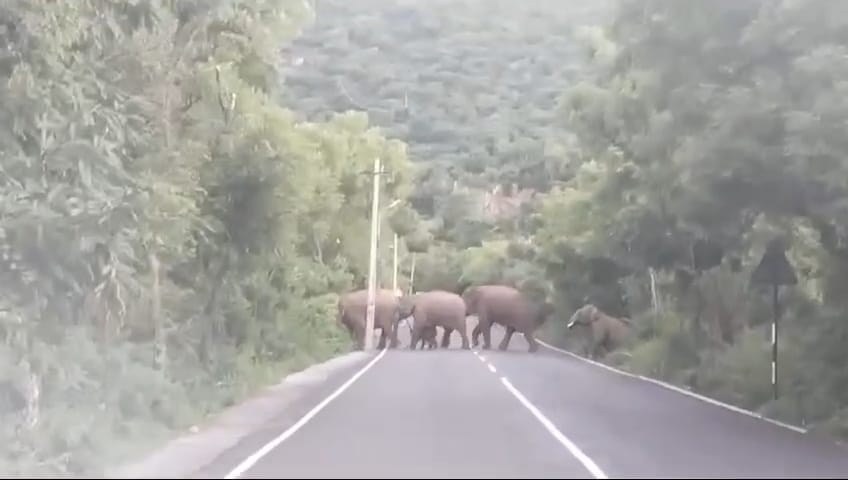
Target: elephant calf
428,338
607,332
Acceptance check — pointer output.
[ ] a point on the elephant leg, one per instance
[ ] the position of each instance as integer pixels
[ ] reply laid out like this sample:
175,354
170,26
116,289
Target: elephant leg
475,335
358,334
531,341
596,348
604,346
351,332
383,335
423,340
487,336
446,337
463,334
416,334
506,338
393,335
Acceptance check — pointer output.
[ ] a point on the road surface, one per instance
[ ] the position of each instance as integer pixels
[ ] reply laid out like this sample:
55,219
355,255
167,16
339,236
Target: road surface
491,414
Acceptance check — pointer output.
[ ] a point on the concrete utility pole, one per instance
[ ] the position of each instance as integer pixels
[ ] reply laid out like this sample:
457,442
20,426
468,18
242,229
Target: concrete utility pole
395,241
395,264
372,266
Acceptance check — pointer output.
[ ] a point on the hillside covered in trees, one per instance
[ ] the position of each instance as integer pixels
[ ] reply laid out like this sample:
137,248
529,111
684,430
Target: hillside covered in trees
590,150
472,88
186,192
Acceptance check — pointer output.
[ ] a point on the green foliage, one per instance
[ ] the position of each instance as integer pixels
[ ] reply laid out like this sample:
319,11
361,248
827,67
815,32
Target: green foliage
173,238
404,221
419,241
710,123
470,86
165,217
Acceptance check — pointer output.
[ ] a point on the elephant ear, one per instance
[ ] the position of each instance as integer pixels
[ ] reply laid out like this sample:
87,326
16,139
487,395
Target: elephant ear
593,312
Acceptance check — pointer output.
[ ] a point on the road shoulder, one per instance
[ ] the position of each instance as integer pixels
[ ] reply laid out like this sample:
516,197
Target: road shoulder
242,425
680,390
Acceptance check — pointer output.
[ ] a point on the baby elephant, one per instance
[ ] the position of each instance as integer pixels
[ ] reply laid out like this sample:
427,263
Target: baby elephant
607,332
428,339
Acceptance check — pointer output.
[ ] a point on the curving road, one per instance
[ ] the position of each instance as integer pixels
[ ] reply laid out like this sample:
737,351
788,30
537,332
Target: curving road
491,414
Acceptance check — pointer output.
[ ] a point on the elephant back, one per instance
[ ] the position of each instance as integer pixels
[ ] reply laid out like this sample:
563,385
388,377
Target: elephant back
616,326
499,296
440,304
354,305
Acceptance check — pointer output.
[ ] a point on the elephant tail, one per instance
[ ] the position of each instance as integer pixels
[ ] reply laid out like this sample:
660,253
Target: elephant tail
626,320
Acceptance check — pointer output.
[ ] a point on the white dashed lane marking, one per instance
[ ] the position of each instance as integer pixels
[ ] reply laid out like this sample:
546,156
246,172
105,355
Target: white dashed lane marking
584,459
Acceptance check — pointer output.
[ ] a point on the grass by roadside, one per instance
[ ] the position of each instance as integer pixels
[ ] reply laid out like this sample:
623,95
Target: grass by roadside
109,406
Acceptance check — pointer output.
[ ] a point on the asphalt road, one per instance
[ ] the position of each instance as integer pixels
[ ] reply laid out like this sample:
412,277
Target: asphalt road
491,414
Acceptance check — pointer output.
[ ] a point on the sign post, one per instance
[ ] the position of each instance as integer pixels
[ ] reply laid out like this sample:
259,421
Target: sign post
774,270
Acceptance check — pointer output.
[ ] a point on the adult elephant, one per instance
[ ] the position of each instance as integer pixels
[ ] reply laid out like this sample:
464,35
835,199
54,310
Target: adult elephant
505,306
607,332
353,307
432,309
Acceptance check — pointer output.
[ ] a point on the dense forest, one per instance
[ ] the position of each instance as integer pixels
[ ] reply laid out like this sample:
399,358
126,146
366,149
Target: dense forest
187,190
172,236
641,156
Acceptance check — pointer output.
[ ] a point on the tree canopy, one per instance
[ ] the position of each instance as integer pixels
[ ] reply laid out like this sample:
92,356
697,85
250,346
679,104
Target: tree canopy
172,235
708,131
187,190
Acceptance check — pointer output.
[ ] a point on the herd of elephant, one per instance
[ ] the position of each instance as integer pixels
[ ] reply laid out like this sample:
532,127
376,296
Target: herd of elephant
491,304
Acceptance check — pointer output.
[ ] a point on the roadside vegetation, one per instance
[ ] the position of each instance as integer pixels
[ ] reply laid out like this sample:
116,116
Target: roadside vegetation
186,192
591,149
172,236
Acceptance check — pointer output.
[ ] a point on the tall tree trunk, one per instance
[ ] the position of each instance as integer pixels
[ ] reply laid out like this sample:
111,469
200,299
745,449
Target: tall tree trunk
655,300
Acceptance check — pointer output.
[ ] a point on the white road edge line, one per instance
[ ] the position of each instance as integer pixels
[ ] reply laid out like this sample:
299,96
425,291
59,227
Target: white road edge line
250,461
584,459
677,389
491,368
